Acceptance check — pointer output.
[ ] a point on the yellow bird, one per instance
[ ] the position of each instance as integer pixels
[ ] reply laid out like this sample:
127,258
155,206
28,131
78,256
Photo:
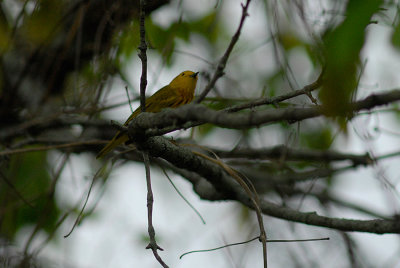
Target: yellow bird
177,93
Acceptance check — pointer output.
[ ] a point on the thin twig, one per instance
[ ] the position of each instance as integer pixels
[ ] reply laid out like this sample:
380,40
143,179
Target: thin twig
143,56
306,90
52,233
43,215
221,247
129,99
143,83
51,147
251,240
15,190
181,195
79,217
251,192
150,200
222,62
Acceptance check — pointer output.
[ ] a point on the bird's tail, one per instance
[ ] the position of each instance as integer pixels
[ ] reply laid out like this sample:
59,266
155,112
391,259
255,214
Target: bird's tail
117,140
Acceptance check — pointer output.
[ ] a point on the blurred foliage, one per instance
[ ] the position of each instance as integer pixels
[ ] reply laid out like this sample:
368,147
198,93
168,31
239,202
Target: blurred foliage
396,112
128,41
29,175
40,27
205,129
342,55
320,138
4,37
275,82
396,35
163,39
289,40
216,104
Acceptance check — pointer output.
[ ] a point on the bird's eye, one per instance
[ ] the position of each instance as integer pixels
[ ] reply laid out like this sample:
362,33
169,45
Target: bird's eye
183,74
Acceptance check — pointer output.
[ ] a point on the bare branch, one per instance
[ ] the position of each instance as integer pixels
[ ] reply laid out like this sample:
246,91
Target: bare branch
150,200
228,189
306,90
222,62
143,56
143,83
198,114
292,154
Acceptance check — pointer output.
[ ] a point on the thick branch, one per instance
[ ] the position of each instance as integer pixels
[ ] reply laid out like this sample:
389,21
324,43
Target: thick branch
199,114
184,158
225,185
370,226
286,153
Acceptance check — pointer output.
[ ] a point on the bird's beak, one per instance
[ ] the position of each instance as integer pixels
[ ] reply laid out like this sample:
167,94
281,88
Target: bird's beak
194,75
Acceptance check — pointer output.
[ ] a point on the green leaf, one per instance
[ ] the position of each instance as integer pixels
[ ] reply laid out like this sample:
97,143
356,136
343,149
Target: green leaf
207,26
163,40
274,83
342,54
396,36
28,175
4,36
289,40
128,41
320,139
42,24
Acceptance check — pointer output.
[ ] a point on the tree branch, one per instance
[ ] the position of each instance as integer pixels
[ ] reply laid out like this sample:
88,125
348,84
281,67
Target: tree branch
143,83
143,56
195,114
222,62
292,154
228,189
306,90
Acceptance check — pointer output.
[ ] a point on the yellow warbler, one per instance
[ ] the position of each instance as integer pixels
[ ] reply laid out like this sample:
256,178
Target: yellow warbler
179,92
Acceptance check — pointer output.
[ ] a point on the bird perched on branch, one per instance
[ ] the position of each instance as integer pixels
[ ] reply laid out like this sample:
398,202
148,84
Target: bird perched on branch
177,93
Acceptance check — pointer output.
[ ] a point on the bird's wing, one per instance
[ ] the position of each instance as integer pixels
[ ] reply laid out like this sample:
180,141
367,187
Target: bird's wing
163,98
